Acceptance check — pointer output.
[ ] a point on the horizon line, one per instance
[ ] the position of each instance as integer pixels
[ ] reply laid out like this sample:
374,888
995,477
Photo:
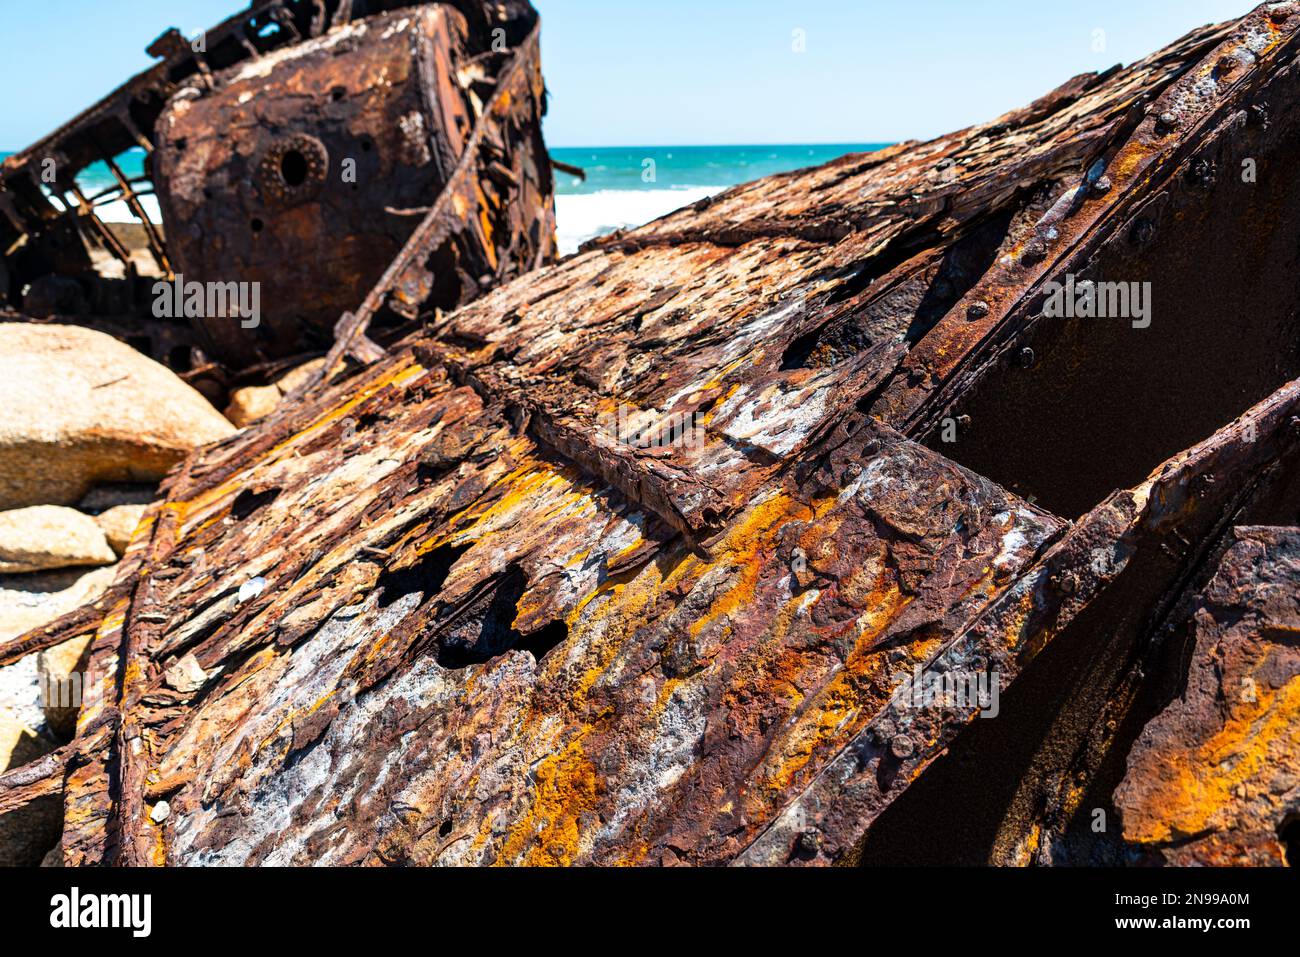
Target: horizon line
657,146
660,146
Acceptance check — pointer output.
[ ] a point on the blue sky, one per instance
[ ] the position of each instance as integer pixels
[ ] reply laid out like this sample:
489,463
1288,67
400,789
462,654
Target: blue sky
634,72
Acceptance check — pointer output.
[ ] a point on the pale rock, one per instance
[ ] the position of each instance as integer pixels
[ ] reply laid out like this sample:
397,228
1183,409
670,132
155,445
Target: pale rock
186,675
29,601
78,407
251,403
62,672
251,589
296,377
50,537
20,693
27,834
119,524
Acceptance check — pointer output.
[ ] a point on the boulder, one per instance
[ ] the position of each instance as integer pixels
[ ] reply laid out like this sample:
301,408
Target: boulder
62,672
249,404
297,376
119,524
20,693
28,834
29,601
48,537
78,407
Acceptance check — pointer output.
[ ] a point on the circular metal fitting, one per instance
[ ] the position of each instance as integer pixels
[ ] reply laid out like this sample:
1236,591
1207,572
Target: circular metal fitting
292,170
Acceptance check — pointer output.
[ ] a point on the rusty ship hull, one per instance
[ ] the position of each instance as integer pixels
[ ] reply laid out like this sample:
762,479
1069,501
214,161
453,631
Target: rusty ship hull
648,558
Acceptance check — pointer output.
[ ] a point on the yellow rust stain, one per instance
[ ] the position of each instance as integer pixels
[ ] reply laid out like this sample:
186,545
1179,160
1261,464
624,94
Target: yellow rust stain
550,833
1016,633
485,223
836,711
744,544
297,713
1024,853
523,486
1199,784
159,850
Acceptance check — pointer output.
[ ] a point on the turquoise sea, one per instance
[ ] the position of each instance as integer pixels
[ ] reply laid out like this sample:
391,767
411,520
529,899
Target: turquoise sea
631,185
625,185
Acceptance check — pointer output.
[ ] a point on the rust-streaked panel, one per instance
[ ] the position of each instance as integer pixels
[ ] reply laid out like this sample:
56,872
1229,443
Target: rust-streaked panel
1214,780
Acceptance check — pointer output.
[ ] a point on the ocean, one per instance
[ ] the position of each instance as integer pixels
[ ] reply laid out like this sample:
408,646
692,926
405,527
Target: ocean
630,185
626,186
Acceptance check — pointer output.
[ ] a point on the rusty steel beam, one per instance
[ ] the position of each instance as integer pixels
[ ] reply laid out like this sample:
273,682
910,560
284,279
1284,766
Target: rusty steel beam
1098,599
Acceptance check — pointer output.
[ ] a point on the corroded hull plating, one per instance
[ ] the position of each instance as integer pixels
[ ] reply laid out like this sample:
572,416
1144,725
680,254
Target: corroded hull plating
468,605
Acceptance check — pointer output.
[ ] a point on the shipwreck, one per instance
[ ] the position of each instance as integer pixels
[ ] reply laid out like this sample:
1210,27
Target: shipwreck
307,146
472,598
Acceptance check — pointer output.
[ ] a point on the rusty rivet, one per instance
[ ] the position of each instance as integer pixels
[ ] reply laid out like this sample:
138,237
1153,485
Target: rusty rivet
1102,185
1227,64
810,843
852,471
1066,582
977,310
1026,358
902,747
1168,120
1035,252
1143,230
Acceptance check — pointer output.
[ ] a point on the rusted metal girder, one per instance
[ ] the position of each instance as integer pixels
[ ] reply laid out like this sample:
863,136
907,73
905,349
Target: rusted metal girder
1094,631
248,136
631,560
